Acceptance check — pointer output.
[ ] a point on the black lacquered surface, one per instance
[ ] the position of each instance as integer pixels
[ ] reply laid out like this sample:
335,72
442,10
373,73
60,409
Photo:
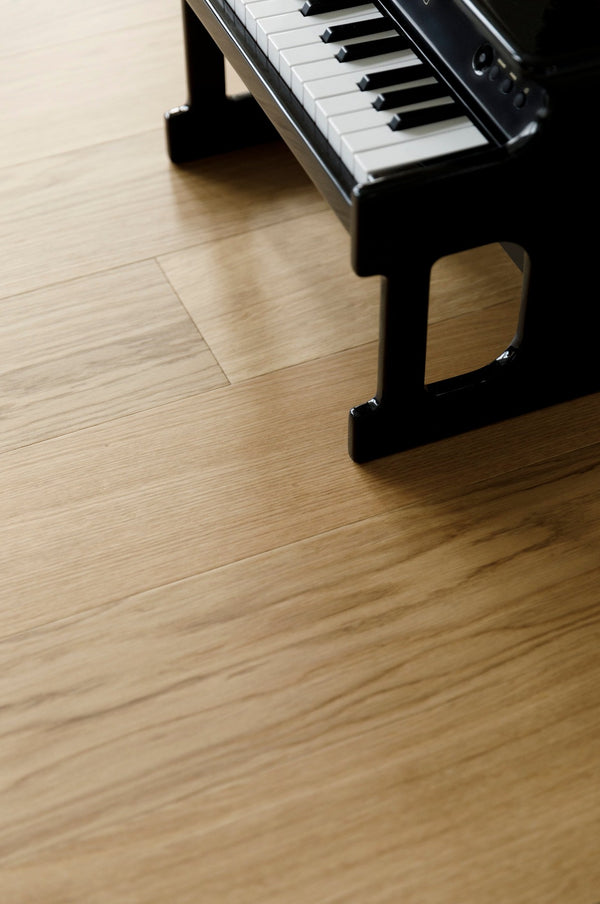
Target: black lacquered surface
560,30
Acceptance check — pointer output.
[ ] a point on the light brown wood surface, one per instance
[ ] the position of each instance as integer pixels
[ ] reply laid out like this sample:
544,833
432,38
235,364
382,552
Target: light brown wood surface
237,668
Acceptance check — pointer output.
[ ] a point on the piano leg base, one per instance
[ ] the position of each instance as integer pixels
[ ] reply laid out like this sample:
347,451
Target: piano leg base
238,122
375,430
504,389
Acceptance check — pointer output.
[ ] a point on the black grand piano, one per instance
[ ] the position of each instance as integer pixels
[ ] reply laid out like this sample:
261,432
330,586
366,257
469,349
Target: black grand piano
431,127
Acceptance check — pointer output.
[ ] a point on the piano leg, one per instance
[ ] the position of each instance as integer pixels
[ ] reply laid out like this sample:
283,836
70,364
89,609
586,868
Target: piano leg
210,122
557,354
405,412
553,358
397,417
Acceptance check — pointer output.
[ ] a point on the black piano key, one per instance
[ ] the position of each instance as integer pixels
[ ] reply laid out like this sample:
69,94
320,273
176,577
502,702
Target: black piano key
376,47
383,78
425,117
316,7
404,96
357,29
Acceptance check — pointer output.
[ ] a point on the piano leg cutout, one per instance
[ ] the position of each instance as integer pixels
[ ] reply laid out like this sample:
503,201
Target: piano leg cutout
211,122
552,359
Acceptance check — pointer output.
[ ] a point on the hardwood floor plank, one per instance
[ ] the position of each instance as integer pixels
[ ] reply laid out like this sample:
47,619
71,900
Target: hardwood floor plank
472,281
317,715
39,24
478,293
133,74
198,483
94,349
120,202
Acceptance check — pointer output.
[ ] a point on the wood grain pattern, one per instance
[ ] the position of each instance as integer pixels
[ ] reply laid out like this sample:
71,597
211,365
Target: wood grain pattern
198,483
477,294
39,24
126,71
236,745
112,204
96,348
236,668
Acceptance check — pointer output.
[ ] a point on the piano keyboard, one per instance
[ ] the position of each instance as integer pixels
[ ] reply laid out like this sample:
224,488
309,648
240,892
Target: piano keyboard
379,106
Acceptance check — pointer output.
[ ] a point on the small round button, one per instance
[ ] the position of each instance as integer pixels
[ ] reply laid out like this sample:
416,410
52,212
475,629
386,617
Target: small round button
494,73
519,100
483,57
507,85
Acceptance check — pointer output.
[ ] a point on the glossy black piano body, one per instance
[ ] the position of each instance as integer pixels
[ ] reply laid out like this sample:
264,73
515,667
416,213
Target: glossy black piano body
530,186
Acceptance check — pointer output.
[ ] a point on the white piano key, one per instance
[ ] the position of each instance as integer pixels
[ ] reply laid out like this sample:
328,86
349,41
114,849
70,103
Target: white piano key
313,53
349,102
308,73
261,9
287,30
370,164
355,143
240,7
305,28
367,118
274,43
341,84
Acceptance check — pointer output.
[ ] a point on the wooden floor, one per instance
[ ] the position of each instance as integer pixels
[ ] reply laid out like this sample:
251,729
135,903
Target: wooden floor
237,668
